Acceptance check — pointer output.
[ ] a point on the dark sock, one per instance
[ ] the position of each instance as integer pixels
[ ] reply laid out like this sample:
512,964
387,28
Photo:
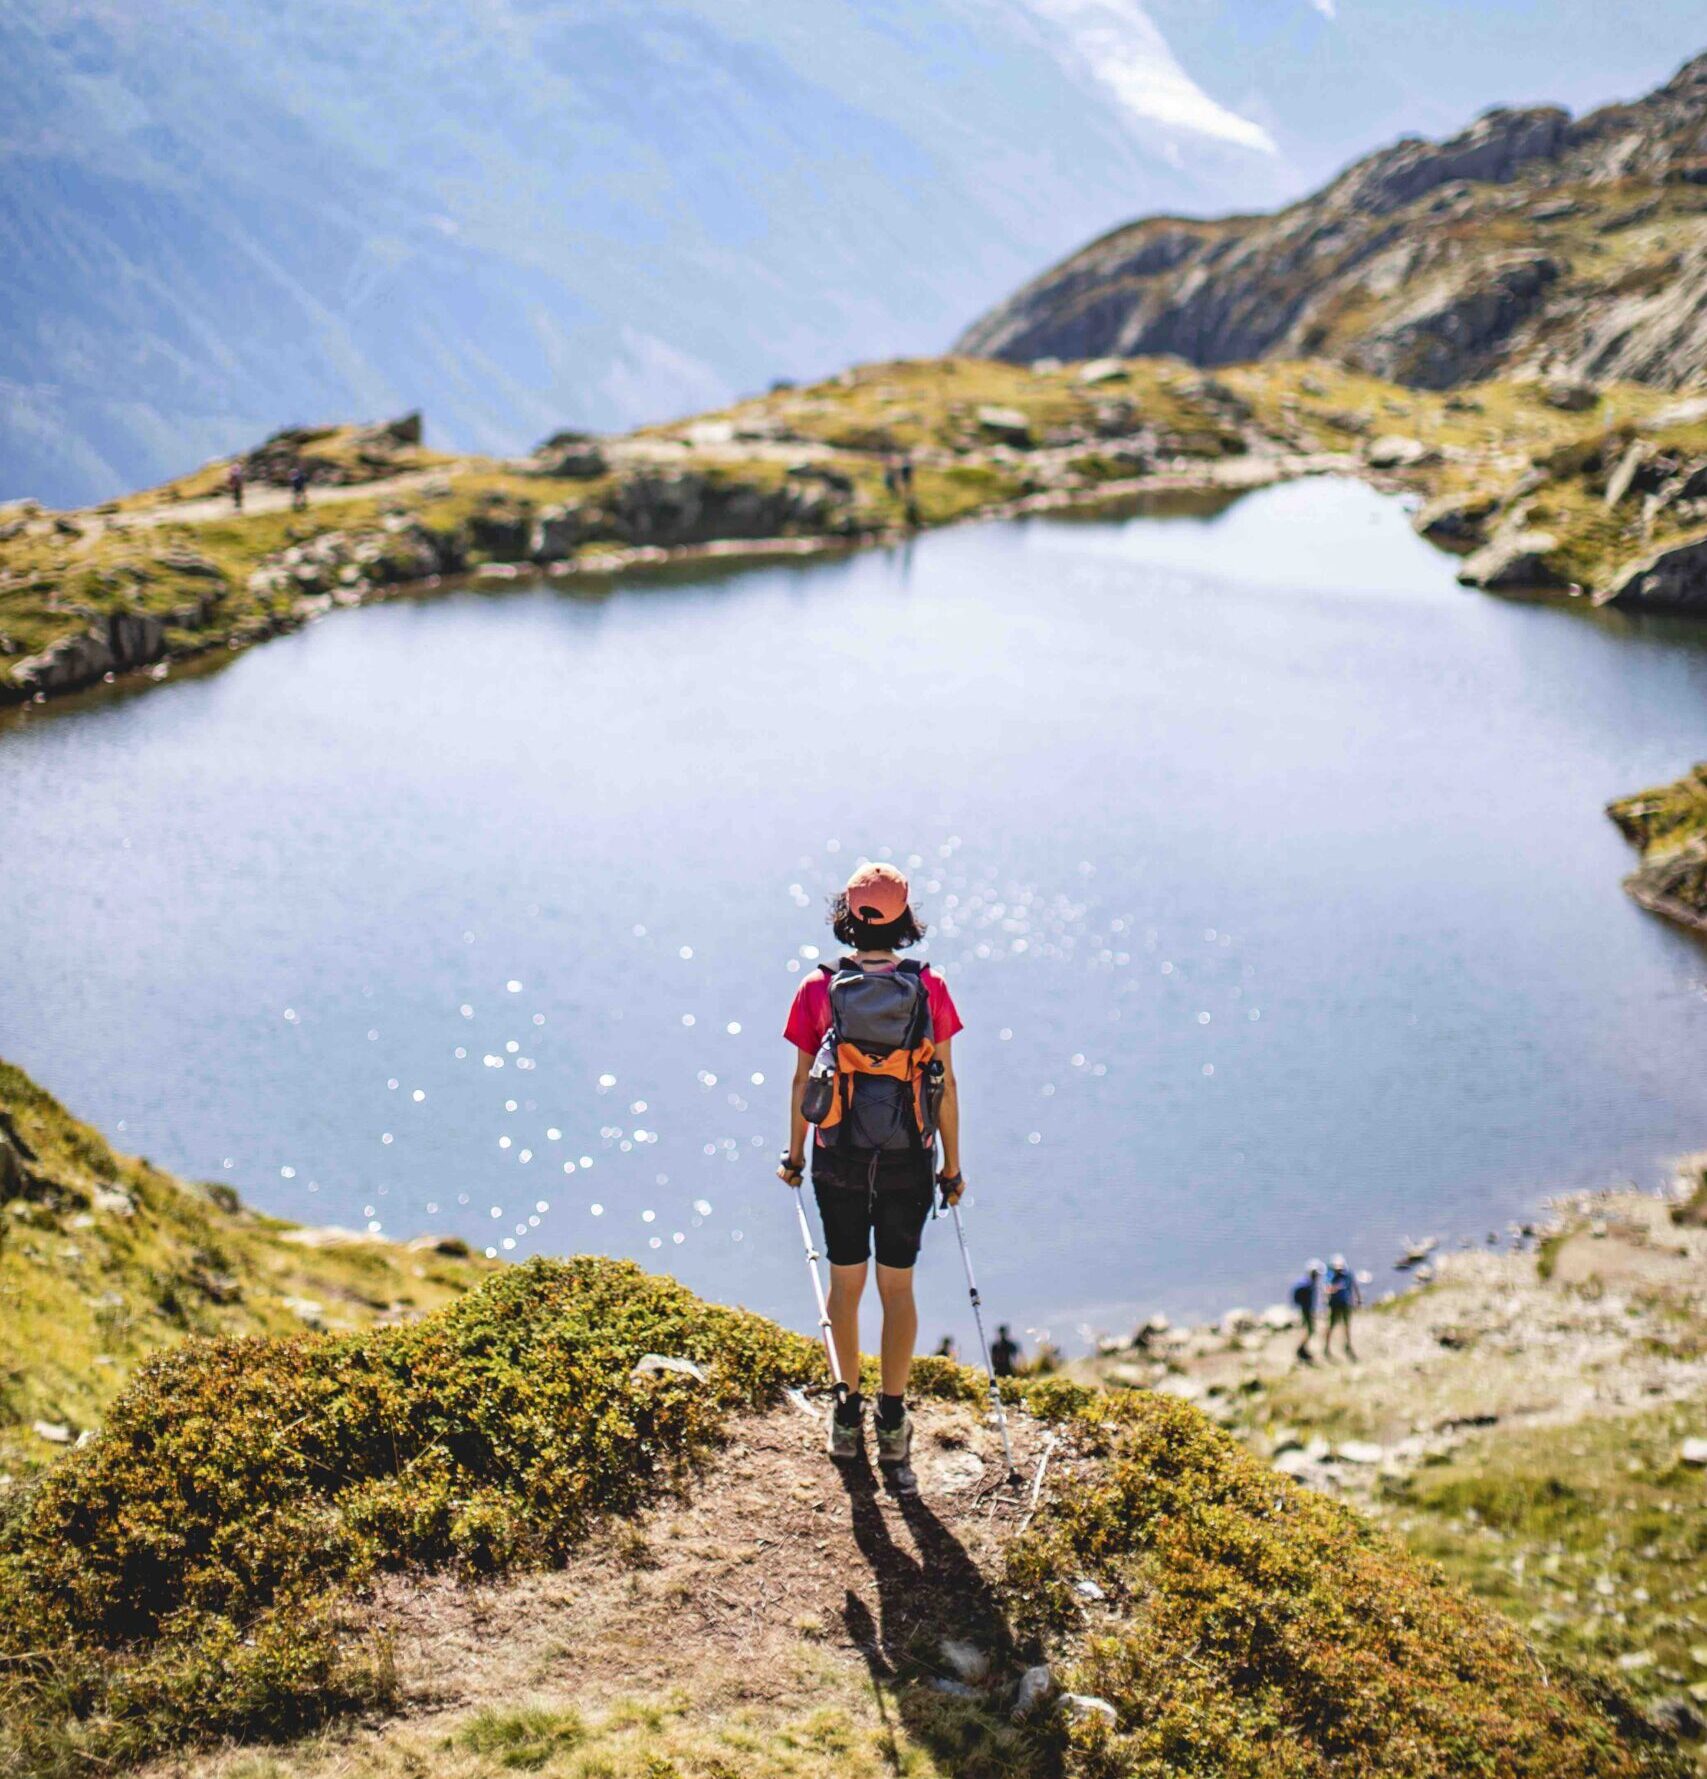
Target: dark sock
890,1409
850,1405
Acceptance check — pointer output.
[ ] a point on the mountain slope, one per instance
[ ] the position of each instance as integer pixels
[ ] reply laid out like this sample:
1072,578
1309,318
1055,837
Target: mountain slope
228,216
104,1259
1528,241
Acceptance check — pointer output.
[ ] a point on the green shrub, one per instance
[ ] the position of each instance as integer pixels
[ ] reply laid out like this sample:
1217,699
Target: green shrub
183,1568
1264,1630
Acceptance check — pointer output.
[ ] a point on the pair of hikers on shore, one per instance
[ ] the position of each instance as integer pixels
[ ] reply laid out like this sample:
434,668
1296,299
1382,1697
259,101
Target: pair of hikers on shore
1343,1297
874,1072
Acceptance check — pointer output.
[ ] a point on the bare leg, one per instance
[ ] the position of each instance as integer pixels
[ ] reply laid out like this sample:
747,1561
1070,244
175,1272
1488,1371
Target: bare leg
847,1286
900,1326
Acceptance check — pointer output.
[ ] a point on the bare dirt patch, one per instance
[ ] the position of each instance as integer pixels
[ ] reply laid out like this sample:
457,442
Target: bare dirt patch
782,1583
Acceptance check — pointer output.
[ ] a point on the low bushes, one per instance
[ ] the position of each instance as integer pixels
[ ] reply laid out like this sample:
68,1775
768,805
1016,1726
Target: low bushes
1255,1629
181,1575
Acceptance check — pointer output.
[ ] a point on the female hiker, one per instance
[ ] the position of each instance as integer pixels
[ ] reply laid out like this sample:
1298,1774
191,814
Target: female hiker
875,1073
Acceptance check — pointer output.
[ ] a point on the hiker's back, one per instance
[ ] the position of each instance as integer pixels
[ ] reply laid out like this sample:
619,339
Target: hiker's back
872,1085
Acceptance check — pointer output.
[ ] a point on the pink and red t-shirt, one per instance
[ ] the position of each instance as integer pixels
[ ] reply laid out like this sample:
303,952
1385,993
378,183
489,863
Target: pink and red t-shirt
809,1016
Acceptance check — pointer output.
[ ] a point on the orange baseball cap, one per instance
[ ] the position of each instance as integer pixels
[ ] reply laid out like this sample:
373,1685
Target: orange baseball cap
877,894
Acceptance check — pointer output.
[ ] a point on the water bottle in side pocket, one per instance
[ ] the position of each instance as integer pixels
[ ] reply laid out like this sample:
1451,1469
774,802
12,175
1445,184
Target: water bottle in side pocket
819,1093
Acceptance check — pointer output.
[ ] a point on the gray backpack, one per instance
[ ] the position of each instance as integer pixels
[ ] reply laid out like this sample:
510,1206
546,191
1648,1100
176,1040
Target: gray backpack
875,1085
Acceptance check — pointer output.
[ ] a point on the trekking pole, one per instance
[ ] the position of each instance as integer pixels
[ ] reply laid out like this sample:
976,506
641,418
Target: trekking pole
818,1291
984,1342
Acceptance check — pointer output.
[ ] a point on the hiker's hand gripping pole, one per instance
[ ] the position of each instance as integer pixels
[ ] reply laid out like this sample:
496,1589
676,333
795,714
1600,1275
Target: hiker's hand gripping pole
817,1282
996,1405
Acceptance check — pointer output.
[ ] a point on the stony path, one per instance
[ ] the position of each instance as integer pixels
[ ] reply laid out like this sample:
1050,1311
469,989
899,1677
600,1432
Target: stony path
260,497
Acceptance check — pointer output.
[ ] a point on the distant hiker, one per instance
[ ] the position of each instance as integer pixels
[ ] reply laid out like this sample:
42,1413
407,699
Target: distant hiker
892,477
875,1073
1004,1352
904,475
1306,1299
946,1349
1343,1298
298,487
234,481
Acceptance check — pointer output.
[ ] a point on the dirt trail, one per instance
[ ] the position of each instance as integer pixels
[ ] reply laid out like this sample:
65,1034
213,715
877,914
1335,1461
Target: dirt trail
261,497
782,1587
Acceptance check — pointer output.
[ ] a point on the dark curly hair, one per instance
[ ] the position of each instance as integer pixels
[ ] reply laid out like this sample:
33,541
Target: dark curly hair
865,935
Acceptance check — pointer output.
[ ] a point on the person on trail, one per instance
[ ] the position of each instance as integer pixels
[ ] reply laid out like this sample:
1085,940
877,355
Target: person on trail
298,487
1343,1298
874,1071
234,481
1306,1299
1004,1352
946,1349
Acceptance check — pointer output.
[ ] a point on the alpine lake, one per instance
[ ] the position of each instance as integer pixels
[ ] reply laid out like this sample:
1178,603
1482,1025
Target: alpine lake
1268,868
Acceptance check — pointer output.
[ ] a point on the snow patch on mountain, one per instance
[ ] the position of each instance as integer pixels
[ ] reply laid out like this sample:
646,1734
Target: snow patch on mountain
1118,44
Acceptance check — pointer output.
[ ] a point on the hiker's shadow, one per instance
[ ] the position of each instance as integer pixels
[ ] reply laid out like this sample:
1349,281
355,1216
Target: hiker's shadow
926,1596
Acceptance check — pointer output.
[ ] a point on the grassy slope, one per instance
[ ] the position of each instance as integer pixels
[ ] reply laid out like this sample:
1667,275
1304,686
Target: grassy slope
104,1260
1669,825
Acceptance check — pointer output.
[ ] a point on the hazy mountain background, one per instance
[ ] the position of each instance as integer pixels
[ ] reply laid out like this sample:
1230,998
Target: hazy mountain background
216,219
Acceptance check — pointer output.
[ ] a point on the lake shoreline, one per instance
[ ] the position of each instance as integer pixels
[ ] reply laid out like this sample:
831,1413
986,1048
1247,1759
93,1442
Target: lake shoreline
1227,478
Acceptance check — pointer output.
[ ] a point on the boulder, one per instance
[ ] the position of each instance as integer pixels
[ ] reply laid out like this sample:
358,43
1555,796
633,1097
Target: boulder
1671,579
555,534
1394,451
970,1662
1680,1717
580,460
1008,426
1080,1707
115,644
1457,521
392,435
1102,370
1693,1452
502,534
1618,483
1568,394
1514,560
1036,1687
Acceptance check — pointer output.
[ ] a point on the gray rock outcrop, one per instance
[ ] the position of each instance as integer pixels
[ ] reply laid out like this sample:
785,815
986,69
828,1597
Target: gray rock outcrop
1514,561
1673,579
1407,265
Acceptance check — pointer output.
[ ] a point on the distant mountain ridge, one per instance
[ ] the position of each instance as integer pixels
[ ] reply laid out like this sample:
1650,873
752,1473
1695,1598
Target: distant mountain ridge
218,219
1530,240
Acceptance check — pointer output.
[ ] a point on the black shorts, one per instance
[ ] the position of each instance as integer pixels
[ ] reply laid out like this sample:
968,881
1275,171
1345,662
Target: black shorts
852,1209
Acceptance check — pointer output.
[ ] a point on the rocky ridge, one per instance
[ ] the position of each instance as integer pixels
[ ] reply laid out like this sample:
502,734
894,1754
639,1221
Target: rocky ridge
1669,826
1529,243
1551,485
